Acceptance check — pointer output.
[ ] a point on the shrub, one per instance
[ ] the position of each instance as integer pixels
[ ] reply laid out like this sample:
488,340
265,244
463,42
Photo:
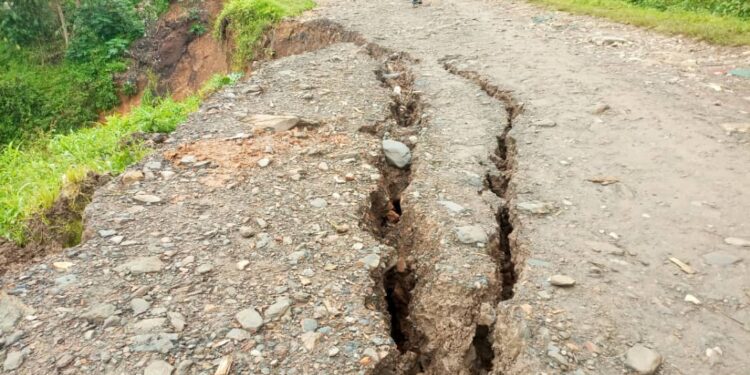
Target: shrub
102,29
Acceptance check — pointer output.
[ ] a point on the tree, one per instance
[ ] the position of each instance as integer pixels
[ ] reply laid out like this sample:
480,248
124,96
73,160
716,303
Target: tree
27,21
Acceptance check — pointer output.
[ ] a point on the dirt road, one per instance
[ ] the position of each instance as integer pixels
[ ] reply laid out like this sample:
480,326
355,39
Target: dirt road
468,187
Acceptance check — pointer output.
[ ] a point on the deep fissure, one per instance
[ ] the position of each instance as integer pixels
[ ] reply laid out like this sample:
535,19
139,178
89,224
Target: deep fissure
399,280
483,353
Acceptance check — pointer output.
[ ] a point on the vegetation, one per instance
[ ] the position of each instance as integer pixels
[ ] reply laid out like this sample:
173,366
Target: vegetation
59,59
724,22
33,175
245,21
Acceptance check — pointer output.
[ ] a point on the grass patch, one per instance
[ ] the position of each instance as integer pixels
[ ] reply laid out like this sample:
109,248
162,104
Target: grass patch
698,22
33,175
246,20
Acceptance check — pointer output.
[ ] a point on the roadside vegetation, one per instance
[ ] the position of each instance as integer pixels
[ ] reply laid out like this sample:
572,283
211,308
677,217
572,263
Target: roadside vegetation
244,21
725,22
60,59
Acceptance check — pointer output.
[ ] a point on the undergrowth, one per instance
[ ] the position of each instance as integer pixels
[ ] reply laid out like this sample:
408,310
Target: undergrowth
246,20
724,22
36,97
32,175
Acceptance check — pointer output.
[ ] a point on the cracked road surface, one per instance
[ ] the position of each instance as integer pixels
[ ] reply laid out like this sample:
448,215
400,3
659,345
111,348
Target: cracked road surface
556,194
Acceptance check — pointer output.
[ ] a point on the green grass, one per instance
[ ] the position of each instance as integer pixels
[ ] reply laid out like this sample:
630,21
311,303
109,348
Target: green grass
246,20
696,22
32,175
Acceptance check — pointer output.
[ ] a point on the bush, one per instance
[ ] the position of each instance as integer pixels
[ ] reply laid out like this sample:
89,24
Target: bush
102,29
36,98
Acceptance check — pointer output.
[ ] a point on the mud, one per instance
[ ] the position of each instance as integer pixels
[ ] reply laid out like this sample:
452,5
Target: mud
179,60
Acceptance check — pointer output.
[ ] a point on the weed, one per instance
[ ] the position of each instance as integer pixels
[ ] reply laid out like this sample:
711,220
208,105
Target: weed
686,17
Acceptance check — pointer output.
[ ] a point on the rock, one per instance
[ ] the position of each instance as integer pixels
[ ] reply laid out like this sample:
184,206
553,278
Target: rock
11,311
99,312
536,207
147,198
609,40
13,360
736,127
370,261
323,166
721,258
64,360
736,241
204,268
278,309
152,325
141,265
545,123
13,337
273,123
60,282
333,351
177,320
554,353
396,153
188,159
153,165
158,367
318,203
264,162
471,234
139,306
692,299
104,233
112,321
452,206
309,340
159,342
247,232
131,177
642,360
605,247
183,368
263,240
239,334
309,325
241,265
562,280
250,319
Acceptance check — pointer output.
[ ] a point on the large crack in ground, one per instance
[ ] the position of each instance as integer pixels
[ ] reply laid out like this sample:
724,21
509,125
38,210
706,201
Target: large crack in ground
498,181
383,210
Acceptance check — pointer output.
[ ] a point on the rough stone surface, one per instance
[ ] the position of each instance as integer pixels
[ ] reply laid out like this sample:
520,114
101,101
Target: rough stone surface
141,265
471,234
158,367
250,319
642,360
396,153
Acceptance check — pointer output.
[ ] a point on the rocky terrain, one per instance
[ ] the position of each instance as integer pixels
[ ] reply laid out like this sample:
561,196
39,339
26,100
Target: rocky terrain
466,187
